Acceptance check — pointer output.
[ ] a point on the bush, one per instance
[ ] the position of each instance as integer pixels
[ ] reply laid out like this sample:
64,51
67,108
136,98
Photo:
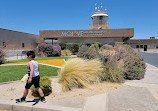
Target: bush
113,72
133,62
2,56
73,47
82,52
63,46
98,44
134,68
45,84
42,47
79,72
86,52
66,52
56,50
48,51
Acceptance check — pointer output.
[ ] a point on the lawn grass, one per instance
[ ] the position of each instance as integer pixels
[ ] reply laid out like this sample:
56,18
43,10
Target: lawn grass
13,73
38,58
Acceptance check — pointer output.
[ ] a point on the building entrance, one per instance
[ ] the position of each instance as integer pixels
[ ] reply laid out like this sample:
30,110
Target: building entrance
145,47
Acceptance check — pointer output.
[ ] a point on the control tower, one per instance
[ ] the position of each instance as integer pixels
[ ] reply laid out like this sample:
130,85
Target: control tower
99,18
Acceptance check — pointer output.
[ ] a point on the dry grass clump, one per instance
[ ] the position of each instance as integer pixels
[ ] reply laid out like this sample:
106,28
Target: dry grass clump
66,52
79,72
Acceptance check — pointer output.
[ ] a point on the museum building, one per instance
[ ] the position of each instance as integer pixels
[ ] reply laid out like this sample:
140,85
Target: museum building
99,32
15,40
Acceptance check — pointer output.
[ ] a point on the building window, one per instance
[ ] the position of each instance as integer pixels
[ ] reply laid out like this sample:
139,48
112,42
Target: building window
23,45
137,46
141,46
4,44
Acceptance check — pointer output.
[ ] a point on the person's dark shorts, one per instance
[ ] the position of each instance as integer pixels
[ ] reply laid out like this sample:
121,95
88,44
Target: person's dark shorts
35,82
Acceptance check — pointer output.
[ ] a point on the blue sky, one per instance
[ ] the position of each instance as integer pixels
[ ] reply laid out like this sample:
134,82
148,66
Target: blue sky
33,15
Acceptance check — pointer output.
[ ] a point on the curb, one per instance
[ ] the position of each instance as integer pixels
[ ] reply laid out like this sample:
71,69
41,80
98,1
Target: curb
24,107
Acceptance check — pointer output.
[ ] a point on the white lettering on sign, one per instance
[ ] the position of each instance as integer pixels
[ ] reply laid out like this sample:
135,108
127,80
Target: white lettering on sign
80,33
71,33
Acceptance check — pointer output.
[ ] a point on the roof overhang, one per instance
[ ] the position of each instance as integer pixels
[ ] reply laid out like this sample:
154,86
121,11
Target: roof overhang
98,33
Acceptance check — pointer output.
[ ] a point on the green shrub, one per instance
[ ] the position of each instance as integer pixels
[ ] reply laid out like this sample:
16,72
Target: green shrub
133,62
83,51
73,47
45,84
86,52
118,43
113,72
66,52
63,46
98,44
134,68
80,44
79,72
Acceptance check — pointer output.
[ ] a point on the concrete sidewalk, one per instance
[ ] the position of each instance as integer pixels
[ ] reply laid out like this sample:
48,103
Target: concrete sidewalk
135,95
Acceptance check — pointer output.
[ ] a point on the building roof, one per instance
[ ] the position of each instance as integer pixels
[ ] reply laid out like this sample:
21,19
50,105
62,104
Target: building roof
114,33
17,31
144,41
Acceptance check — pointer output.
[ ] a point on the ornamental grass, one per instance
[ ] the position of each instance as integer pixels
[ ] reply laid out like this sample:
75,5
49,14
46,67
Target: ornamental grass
79,73
66,52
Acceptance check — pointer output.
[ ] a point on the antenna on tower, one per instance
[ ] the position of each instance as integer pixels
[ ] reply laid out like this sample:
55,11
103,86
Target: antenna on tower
95,7
101,6
98,9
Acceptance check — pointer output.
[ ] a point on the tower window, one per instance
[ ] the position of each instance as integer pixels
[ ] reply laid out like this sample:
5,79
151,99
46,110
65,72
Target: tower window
23,45
101,18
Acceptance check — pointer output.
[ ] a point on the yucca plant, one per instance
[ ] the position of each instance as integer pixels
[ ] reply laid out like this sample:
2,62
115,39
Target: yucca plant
79,72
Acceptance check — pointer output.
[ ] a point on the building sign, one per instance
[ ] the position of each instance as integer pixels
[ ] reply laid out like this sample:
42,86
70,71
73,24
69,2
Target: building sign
72,33
81,33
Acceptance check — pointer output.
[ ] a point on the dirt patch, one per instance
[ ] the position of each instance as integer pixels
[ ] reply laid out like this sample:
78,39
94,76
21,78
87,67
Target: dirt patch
12,91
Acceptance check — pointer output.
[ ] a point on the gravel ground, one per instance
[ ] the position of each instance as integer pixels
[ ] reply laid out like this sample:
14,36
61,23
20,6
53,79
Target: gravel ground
14,90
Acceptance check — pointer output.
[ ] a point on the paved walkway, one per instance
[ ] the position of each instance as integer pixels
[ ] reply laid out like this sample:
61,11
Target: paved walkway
136,95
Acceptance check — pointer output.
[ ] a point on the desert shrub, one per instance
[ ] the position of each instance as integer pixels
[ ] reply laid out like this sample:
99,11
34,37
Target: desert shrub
107,53
73,47
66,52
98,44
63,46
56,50
2,56
107,47
133,62
82,52
118,43
86,52
79,72
134,68
45,84
81,43
113,72
42,47
48,50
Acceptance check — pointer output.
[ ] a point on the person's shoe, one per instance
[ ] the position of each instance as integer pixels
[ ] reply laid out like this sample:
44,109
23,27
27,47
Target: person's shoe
20,100
43,99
